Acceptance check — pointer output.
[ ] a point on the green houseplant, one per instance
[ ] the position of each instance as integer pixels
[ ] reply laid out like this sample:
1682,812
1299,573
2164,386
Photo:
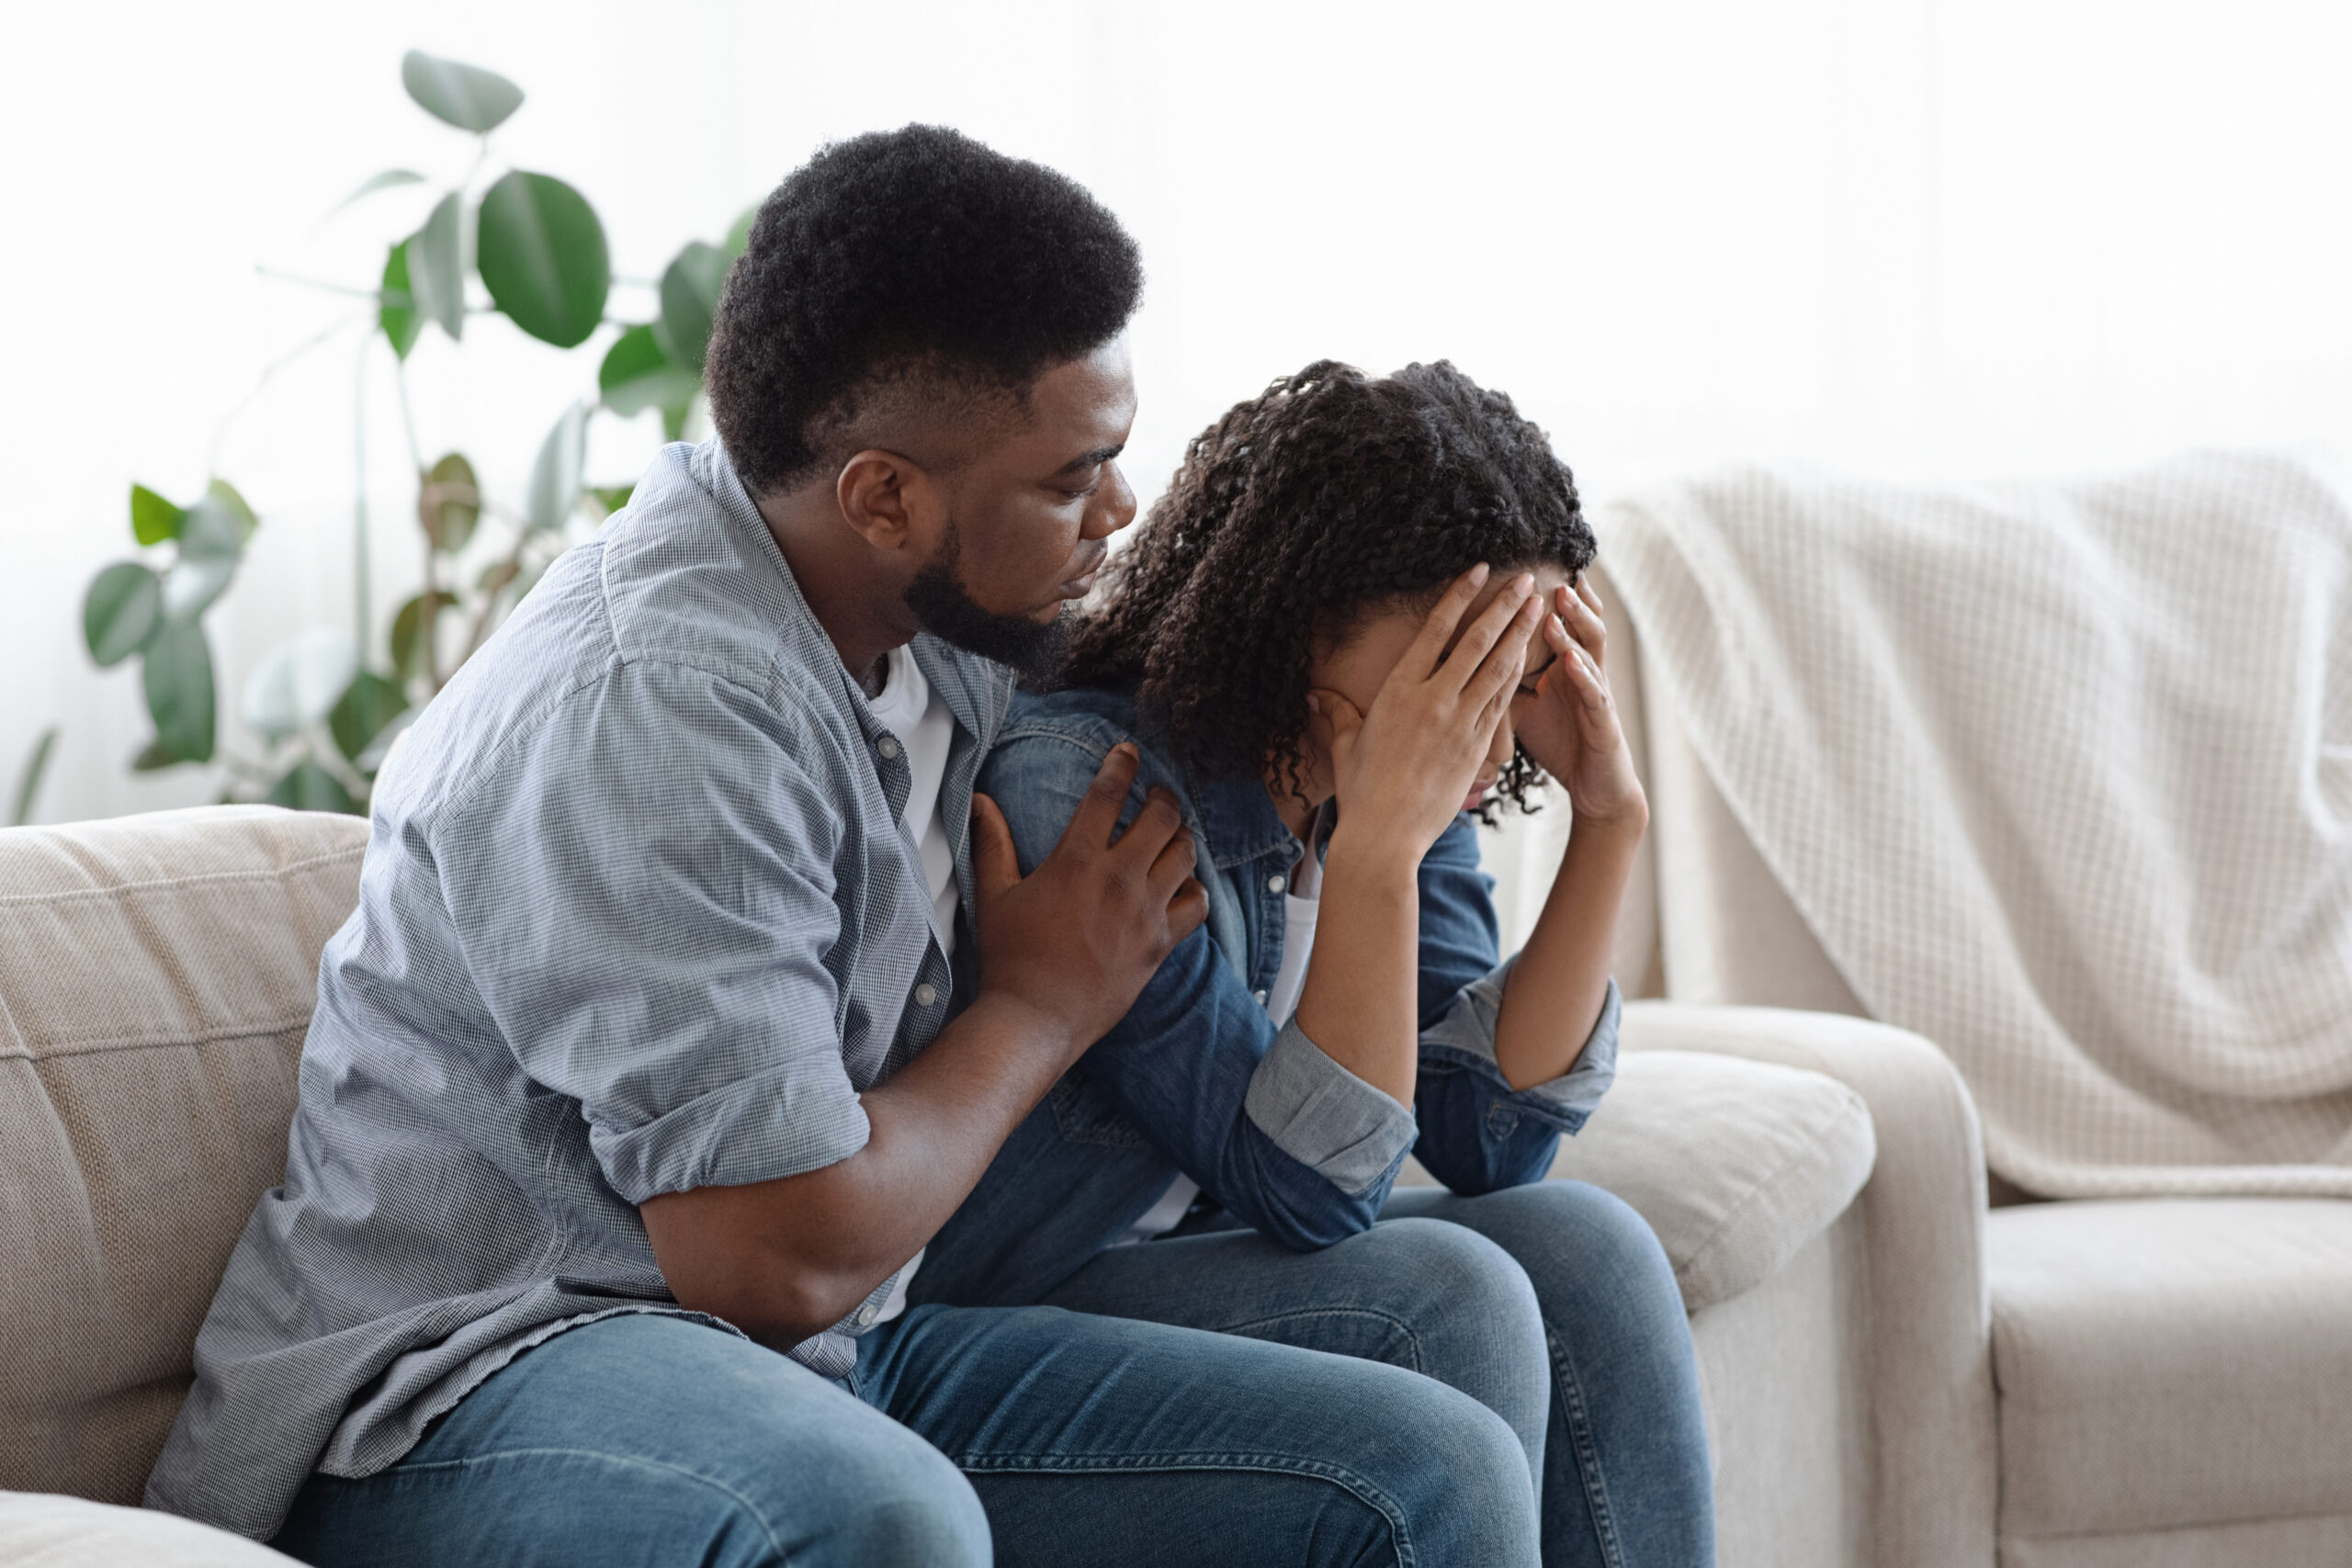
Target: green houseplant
320,709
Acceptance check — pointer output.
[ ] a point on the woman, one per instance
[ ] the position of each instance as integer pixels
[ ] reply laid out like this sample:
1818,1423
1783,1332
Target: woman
1356,620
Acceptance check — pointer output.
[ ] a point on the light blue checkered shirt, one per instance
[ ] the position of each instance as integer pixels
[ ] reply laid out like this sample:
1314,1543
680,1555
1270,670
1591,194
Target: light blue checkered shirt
639,913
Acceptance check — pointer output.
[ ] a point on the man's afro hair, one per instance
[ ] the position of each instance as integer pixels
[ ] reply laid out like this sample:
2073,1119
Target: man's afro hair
903,250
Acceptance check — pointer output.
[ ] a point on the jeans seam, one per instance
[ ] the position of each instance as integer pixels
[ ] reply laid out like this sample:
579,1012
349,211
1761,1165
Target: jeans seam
632,1461
1348,1481
1579,1426
1401,1327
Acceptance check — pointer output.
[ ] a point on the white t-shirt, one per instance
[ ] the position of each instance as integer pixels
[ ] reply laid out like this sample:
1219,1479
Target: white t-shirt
910,710
1290,979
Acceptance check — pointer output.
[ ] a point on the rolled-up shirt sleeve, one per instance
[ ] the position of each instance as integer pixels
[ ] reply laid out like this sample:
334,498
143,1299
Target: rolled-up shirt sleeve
646,906
1478,1133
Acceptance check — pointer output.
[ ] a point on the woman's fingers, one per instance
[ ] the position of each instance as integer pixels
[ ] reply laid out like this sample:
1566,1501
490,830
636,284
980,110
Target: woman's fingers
1486,635
1428,650
1582,617
1498,676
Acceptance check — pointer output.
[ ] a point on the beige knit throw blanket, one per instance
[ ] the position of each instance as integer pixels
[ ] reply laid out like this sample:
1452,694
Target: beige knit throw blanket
2060,776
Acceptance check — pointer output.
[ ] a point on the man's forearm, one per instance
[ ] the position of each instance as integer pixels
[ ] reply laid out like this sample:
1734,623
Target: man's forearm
1561,981
788,1258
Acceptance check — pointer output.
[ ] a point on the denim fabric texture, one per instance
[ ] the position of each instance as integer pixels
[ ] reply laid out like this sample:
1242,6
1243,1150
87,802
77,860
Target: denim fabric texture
1035,1437
638,914
1196,1079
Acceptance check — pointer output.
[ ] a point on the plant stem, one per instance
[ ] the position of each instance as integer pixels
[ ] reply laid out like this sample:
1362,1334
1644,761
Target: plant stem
362,591
220,431
374,296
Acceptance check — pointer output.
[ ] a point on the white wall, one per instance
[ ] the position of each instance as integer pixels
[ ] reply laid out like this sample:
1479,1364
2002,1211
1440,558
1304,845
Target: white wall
1901,235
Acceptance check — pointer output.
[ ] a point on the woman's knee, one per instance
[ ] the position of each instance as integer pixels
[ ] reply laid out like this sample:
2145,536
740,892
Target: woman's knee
1572,1236
1447,1286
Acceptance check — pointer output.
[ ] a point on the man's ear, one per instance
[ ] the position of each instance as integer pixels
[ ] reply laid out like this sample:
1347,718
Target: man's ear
889,497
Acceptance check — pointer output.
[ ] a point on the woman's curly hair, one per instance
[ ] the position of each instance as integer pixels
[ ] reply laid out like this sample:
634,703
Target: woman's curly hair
1329,494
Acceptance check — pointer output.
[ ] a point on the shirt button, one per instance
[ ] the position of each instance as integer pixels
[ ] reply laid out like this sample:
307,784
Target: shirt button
926,994
866,1314
1258,996
888,746
1275,883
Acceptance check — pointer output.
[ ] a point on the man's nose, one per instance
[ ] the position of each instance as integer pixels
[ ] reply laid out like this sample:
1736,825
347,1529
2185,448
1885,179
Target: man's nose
1116,506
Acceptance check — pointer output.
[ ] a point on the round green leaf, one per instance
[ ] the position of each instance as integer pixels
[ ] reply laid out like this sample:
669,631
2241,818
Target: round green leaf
690,287
224,495
190,587
210,531
297,683
451,504
637,375
397,313
436,266
368,705
309,787
541,254
152,519
556,472
180,698
28,779
119,611
410,649
463,95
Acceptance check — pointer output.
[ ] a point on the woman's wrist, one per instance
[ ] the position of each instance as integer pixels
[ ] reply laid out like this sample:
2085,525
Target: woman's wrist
1364,858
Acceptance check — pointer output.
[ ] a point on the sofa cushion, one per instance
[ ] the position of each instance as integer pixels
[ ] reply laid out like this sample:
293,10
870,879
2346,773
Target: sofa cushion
2169,1363
43,1530
1734,1164
156,977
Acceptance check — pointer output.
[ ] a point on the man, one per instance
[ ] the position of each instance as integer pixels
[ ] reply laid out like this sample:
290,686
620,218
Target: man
691,989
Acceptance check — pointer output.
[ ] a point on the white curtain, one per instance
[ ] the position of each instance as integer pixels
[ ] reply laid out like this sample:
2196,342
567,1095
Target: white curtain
1910,237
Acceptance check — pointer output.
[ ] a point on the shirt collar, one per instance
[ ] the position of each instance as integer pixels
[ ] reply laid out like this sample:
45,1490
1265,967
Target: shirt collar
976,690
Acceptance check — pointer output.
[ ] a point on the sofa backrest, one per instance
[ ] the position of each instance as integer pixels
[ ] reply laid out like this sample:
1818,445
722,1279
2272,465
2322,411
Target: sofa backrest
1705,918
156,977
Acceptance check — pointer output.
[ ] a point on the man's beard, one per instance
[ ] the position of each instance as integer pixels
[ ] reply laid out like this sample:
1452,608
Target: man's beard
945,611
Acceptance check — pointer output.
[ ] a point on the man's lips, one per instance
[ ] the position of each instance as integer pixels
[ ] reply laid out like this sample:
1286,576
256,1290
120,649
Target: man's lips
1477,793
1081,583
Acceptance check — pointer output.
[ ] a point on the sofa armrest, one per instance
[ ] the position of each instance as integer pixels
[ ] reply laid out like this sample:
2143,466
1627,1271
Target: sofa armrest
72,1532
1922,1212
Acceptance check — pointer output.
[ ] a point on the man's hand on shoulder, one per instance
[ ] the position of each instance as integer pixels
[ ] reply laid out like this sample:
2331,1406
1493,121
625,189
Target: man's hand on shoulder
1064,953
1075,940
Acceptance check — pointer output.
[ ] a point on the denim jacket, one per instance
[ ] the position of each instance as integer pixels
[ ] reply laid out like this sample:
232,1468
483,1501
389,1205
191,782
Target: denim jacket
1197,1079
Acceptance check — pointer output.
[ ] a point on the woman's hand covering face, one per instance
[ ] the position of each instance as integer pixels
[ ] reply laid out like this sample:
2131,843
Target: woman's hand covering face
1567,722
1402,768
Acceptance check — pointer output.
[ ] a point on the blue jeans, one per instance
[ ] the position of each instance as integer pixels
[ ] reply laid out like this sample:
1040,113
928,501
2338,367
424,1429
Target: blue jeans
1616,1433
1050,1437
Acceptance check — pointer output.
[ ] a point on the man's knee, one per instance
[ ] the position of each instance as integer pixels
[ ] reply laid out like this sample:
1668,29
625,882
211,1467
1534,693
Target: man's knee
891,1500
1455,1478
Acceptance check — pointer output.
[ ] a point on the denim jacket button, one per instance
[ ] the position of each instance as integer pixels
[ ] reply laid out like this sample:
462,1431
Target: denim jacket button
926,994
1275,883
1258,996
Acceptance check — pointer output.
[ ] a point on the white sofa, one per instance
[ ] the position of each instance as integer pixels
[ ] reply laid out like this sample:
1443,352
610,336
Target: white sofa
2163,1384
1814,1180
